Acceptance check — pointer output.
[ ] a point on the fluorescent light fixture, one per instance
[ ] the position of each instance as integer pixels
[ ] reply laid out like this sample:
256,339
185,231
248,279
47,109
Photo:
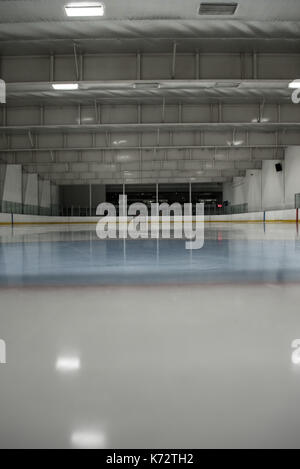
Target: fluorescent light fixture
294,84
85,9
146,86
67,364
65,86
227,84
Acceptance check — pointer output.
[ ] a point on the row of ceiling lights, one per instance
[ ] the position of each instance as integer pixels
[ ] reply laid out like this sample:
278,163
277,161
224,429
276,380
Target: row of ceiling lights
89,9
96,9
75,86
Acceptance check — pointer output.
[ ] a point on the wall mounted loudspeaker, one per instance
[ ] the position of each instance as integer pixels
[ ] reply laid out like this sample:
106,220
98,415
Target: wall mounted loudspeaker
278,167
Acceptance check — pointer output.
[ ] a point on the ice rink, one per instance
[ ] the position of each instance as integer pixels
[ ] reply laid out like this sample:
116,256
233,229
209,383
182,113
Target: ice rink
121,344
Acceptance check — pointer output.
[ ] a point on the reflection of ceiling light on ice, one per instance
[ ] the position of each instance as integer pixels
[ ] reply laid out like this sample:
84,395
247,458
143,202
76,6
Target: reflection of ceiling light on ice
296,353
88,440
66,364
296,357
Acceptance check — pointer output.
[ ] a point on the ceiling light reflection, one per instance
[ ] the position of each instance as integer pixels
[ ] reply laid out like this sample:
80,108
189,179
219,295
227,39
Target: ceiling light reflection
68,364
88,440
296,354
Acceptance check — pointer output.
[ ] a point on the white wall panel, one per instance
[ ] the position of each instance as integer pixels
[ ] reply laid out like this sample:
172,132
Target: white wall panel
292,178
31,190
12,191
44,193
273,196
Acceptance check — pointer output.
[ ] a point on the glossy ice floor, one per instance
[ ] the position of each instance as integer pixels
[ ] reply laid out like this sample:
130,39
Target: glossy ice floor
143,344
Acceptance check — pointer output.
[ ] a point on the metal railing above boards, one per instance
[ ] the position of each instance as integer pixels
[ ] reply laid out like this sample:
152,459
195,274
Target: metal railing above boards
22,209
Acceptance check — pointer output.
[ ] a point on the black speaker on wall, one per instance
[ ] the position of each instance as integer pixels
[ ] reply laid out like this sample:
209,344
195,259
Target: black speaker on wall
278,167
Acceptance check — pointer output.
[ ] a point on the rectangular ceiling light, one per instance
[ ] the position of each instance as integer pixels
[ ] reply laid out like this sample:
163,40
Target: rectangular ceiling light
217,8
227,84
146,86
85,9
294,84
65,86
